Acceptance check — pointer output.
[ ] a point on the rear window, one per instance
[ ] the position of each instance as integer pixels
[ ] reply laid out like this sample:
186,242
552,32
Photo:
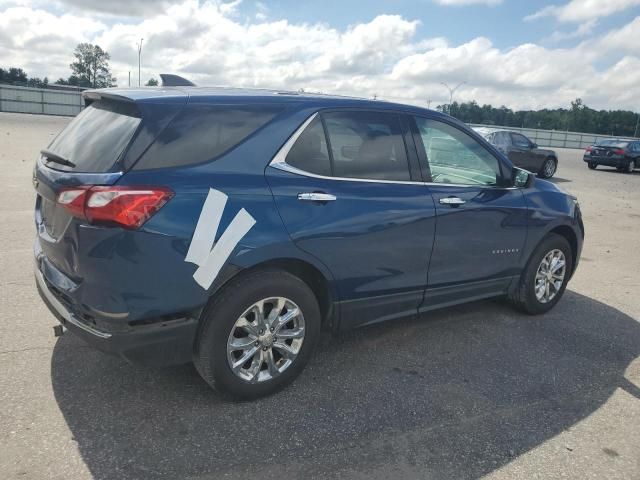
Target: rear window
367,145
96,138
202,133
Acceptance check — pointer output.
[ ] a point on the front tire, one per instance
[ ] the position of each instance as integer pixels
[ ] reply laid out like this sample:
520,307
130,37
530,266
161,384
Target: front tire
544,279
258,334
592,165
548,168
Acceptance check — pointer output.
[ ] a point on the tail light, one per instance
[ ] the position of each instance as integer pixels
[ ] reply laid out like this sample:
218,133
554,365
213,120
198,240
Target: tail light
589,148
127,207
618,151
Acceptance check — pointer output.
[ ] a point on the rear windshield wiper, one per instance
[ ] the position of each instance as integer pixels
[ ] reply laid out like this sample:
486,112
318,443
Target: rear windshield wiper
55,158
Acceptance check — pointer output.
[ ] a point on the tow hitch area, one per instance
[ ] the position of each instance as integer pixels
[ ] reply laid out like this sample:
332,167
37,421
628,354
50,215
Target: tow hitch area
58,330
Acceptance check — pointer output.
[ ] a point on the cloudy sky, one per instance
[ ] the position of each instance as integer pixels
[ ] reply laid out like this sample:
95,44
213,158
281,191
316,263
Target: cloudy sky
519,53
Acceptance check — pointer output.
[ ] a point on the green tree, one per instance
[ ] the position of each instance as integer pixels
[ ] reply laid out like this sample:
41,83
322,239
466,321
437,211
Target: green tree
151,83
91,68
13,75
38,82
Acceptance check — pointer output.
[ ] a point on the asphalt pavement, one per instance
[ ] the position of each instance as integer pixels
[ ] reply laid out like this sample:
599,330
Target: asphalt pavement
473,391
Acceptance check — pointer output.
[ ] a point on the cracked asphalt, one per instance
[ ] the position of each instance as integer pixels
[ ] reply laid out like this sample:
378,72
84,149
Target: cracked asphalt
469,392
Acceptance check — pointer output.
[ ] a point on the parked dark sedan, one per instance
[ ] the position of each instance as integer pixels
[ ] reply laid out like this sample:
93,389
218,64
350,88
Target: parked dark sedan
523,152
613,152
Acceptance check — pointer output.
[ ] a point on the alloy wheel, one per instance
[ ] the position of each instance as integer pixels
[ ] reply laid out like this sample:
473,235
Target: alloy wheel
266,339
550,275
549,168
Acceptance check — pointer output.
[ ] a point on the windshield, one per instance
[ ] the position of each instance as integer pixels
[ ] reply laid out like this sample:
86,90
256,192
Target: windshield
95,139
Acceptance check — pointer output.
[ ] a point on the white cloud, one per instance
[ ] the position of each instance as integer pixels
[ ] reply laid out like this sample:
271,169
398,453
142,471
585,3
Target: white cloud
210,44
618,40
580,31
581,10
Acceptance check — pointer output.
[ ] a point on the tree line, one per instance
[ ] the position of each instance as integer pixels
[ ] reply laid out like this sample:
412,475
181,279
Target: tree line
577,118
90,69
17,76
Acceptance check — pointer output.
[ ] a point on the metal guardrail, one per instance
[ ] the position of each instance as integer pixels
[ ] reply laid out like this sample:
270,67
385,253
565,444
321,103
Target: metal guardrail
554,138
39,100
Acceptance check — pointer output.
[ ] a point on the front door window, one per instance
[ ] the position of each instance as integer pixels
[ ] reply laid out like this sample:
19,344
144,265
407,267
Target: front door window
455,157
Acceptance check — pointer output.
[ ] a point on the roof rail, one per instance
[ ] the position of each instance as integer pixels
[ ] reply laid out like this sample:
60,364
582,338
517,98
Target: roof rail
171,80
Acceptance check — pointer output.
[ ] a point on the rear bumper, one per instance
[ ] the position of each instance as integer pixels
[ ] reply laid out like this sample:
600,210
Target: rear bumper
157,344
607,161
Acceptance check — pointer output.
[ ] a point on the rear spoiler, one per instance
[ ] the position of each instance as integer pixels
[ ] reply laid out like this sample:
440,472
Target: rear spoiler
133,95
130,95
91,96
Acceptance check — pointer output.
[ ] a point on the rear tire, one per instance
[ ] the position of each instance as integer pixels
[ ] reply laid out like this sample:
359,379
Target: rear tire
630,167
528,296
233,328
548,168
592,165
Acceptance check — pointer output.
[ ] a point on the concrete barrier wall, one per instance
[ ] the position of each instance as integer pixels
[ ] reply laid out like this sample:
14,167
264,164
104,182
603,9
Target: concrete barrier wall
553,138
39,100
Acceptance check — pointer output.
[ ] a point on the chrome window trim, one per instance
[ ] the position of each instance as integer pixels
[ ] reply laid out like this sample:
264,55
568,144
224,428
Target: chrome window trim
281,156
279,162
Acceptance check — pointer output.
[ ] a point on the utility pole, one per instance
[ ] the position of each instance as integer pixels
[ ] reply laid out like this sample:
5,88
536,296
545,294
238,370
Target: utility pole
129,77
451,92
139,55
428,103
635,134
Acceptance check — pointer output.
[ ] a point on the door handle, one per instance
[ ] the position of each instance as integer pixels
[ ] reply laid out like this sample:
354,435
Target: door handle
316,197
452,201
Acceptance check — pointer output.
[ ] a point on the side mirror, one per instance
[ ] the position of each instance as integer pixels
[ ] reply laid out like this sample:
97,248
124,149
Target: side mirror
521,178
534,145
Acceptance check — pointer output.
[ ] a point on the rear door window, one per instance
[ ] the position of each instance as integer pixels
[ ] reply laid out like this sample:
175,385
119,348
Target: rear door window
204,132
367,145
96,138
502,139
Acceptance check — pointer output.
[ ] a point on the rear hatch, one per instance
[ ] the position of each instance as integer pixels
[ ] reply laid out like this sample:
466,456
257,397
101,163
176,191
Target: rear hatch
86,152
96,148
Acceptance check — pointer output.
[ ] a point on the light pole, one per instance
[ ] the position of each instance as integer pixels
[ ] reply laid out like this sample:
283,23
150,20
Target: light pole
451,92
139,54
635,134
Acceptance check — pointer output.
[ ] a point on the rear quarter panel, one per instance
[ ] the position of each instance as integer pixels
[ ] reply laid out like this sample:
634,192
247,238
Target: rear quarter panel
149,266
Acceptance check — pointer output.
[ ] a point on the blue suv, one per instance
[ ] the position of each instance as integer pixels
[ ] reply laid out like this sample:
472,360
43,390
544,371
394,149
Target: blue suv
229,227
